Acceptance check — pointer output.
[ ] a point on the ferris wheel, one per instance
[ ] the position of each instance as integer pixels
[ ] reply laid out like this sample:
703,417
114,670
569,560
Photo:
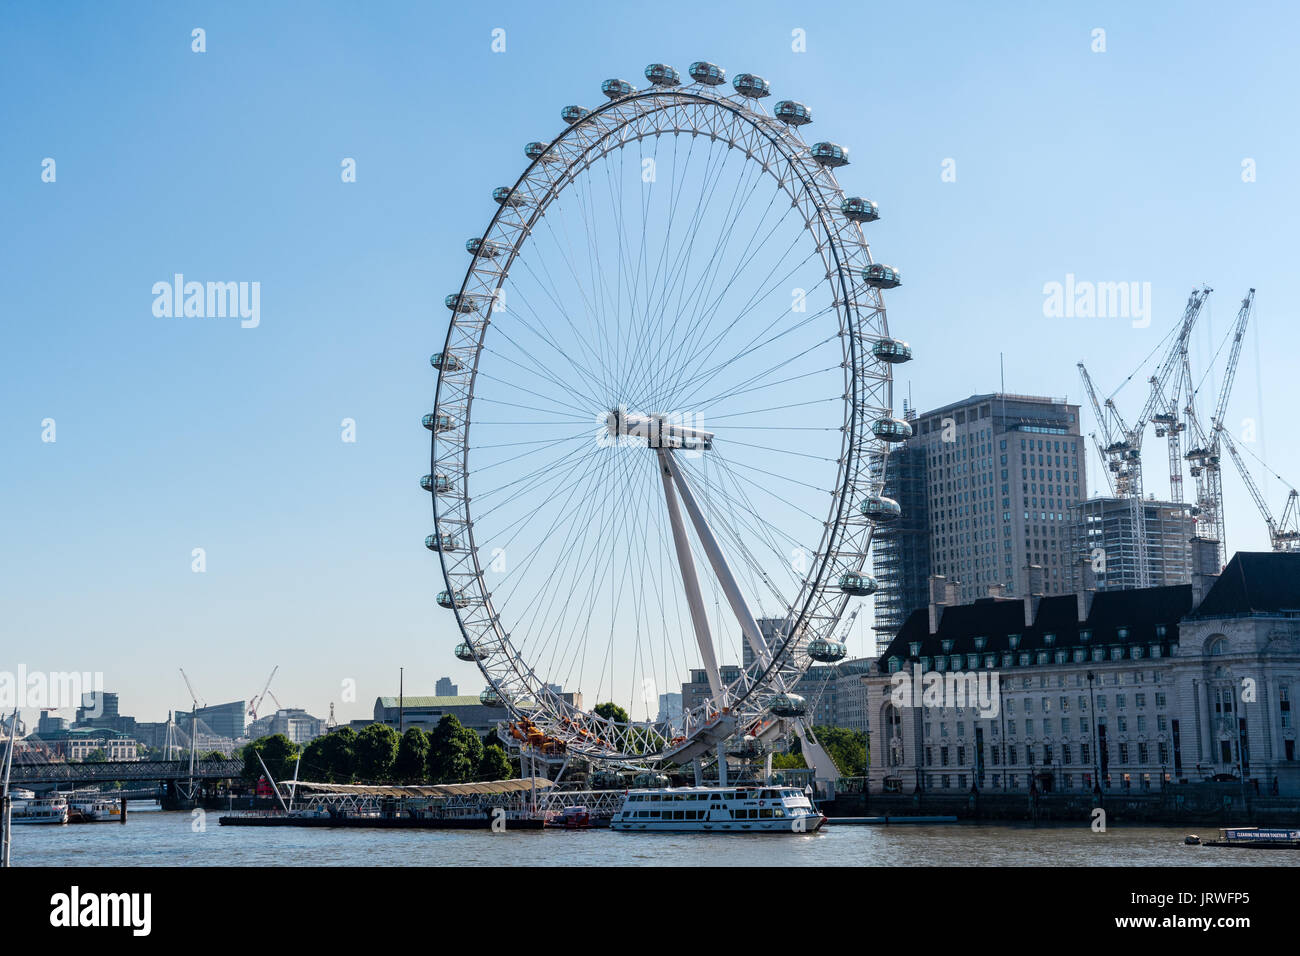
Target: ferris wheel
661,420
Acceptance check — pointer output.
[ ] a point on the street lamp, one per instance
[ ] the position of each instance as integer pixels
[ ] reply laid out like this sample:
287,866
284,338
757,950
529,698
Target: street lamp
1096,746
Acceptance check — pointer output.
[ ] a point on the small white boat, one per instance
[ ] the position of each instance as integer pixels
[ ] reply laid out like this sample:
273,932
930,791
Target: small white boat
93,809
718,810
40,810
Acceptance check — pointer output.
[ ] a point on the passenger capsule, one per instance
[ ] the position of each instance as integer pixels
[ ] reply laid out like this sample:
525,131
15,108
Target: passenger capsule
436,484
858,584
710,74
465,652
574,114
882,276
505,196
788,705
831,155
440,542
660,74
616,89
880,508
859,209
826,652
482,247
892,351
607,780
461,303
793,113
451,599
892,429
752,86
537,150
439,422
488,697
746,748
648,780
445,361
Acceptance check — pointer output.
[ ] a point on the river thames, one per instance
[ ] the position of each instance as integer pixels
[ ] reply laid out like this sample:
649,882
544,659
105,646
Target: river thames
155,838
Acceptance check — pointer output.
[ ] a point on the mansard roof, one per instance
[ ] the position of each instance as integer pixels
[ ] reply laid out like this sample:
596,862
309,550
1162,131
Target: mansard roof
1055,624
1254,582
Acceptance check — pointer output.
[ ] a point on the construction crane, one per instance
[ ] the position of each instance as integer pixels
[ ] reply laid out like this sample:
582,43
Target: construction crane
256,702
1122,447
1283,533
1204,457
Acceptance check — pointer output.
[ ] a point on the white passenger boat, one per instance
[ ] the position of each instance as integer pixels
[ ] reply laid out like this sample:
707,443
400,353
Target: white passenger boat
718,810
41,810
95,809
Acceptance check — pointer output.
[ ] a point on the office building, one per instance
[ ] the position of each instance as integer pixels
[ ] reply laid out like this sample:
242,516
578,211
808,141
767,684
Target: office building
1124,690
1107,543
999,476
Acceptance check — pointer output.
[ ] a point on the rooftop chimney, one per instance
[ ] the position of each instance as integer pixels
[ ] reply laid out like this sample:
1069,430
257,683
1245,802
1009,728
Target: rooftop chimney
943,593
1205,567
1034,574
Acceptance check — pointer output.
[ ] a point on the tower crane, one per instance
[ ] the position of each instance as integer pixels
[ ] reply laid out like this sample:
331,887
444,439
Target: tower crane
1204,457
1122,449
256,702
1283,533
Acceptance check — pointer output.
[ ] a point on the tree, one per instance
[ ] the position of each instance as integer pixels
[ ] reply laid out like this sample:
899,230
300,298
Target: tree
95,756
412,764
214,755
277,752
449,754
611,711
848,748
495,765
376,749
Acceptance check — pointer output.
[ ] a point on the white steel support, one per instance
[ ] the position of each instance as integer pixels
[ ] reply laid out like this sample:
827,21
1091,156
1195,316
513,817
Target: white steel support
748,624
689,580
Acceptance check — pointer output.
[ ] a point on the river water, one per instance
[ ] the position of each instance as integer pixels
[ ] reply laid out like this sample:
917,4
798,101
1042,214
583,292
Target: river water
155,838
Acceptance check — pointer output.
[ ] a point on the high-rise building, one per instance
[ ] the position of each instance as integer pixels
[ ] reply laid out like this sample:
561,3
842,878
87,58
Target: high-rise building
670,706
221,720
1000,475
445,688
1107,543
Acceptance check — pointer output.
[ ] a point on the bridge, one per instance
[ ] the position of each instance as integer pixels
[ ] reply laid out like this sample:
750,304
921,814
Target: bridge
133,771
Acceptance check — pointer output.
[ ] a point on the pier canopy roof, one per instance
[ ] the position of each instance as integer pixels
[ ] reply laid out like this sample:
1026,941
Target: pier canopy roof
426,790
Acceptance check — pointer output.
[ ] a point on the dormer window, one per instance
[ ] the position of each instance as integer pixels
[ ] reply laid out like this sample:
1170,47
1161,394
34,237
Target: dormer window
980,642
914,648
893,665
947,645
1085,634
1161,630
1049,639
1013,641
1122,633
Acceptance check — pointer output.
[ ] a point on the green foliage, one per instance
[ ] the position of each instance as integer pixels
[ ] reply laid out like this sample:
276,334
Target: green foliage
788,761
495,764
450,759
412,765
96,756
611,711
376,750
214,755
848,748
278,753
332,758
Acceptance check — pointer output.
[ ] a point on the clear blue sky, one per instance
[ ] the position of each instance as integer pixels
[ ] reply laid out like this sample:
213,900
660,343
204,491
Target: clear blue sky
174,434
